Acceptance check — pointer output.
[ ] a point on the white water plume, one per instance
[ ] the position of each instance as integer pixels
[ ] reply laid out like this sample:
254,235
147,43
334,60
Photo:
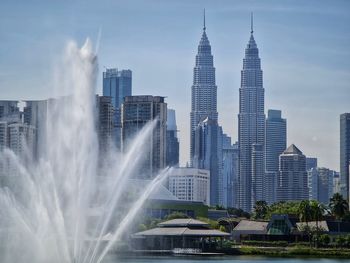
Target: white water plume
61,207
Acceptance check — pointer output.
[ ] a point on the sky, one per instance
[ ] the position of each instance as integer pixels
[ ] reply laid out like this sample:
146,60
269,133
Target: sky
304,51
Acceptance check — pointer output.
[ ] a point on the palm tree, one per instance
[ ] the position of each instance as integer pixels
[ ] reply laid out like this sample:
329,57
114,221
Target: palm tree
260,209
338,205
305,215
317,212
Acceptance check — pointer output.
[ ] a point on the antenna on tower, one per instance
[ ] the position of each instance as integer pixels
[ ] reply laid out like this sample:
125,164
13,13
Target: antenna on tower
204,20
251,23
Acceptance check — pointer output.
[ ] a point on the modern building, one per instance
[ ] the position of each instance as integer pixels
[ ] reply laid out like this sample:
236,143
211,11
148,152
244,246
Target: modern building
292,181
344,154
105,122
190,184
251,127
230,154
206,155
179,235
276,143
172,142
336,182
204,89
37,113
137,111
311,162
9,110
320,183
117,84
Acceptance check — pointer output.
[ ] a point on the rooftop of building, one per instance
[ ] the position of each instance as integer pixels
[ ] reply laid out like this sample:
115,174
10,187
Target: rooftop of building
182,227
292,149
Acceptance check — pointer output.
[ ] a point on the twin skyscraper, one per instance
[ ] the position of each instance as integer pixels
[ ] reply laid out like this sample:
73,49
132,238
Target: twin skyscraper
205,131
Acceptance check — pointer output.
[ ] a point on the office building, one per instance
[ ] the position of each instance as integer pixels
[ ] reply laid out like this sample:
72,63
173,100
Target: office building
137,111
251,128
117,84
172,142
190,184
344,154
204,89
206,155
292,181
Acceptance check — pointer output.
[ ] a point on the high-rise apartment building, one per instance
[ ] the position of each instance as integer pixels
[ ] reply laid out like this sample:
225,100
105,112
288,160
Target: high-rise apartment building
137,111
117,84
172,142
204,89
292,181
251,128
344,154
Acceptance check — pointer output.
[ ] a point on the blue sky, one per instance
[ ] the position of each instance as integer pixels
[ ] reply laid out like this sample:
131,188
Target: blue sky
304,47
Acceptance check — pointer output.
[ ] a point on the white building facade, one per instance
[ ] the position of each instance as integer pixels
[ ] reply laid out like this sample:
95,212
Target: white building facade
190,184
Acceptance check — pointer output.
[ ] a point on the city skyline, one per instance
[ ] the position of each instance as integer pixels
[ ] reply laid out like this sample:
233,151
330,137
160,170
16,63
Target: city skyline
317,73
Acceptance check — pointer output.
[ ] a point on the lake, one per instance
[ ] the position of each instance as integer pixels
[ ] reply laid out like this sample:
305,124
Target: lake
223,259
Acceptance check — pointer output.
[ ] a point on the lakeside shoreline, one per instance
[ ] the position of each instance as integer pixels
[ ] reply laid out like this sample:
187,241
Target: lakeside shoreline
275,252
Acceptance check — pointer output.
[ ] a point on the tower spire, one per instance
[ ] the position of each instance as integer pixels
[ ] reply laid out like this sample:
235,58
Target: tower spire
251,23
204,20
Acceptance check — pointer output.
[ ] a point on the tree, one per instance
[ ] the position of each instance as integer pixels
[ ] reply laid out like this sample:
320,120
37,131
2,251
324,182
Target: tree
260,209
338,205
317,212
305,215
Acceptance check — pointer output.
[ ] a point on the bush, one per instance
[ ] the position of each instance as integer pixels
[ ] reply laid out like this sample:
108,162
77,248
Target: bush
324,239
265,243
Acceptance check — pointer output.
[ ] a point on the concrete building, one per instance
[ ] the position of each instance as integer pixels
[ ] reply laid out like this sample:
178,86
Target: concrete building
137,111
190,184
251,128
204,89
206,155
172,142
292,181
276,143
344,154
117,84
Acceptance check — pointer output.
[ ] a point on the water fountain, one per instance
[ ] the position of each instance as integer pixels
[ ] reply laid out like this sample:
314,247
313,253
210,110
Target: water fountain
65,206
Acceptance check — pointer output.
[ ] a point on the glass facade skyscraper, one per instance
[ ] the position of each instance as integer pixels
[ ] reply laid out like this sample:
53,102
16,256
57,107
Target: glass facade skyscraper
251,129
117,84
276,143
204,89
344,154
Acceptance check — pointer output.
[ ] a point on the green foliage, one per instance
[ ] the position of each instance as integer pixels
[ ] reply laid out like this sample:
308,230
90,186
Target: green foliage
142,227
338,205
290,208
324,239
222,228
212,223
176,215
265,243
260,209
237,212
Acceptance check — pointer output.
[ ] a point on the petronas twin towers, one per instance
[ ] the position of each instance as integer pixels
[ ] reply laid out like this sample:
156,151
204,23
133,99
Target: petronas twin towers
251,118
